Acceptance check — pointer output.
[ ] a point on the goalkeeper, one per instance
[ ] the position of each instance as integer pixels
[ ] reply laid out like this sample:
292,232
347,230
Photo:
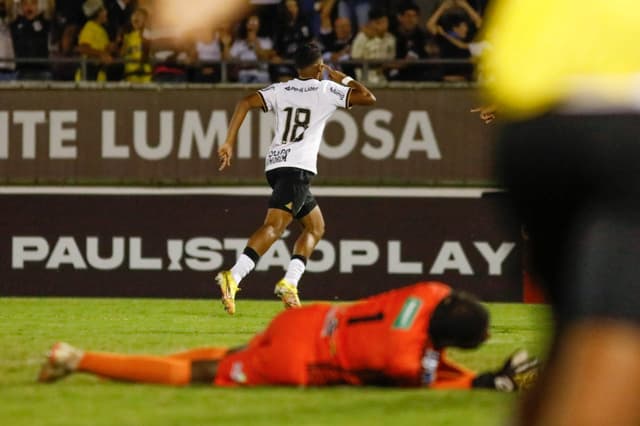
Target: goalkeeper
396,338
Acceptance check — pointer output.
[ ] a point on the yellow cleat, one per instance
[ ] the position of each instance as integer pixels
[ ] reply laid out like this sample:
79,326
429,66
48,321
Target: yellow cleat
288,293
229,288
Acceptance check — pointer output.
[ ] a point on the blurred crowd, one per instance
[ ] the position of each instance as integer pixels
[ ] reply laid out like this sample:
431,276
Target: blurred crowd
118,40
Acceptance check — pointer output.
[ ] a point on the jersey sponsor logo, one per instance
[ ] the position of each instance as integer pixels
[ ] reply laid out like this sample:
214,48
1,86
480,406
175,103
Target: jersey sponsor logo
407,314
337,92
300,89
278,156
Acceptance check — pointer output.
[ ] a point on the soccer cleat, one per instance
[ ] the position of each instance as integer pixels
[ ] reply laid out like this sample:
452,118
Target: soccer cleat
288,293
62,359
229,288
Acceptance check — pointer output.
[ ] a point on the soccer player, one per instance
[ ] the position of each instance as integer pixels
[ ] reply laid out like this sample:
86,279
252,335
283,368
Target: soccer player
302,106
568,155
396,338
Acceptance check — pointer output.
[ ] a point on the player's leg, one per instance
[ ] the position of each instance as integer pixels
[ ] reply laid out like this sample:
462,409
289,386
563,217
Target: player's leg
312,232
64,359
275,223
279,216
312,221
198,354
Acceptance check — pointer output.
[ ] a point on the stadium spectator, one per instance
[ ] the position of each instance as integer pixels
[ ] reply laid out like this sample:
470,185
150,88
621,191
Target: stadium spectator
7,69
65,70
135,49
211,46
30,32
94,43
355,10
374,42
68,13
118,23
119,17
451,24
292,32
411,45
336,39
567,154
396,338
172,56
302,109
251,46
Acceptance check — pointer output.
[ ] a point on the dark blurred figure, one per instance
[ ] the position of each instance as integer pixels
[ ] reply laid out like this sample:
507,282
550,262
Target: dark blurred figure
293,31
119,17
412,44
7,69
66,68
30,32
567,154
118,24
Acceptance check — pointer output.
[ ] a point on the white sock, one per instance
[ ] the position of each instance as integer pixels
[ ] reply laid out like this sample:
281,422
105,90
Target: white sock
243,266
294,271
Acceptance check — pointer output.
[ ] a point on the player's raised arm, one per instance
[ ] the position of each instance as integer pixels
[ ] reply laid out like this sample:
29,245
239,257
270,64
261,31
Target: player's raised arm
360,95
252,101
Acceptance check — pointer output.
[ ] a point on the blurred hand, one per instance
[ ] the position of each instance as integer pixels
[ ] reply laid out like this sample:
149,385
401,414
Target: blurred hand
334,75
224,156
487,113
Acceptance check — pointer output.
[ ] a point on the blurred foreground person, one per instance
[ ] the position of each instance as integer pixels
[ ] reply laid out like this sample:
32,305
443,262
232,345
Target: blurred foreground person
396,338
568,155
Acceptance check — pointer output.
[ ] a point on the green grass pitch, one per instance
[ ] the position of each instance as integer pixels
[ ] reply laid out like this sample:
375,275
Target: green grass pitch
30,326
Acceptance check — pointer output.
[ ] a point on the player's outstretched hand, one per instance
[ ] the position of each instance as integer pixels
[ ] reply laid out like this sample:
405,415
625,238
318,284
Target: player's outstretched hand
487,113
518,372
334,75
224,156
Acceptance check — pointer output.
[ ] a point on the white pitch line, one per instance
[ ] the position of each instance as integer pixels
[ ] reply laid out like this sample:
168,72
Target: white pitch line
328,191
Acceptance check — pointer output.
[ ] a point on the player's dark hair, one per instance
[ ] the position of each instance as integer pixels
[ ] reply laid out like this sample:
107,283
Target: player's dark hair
307,54
377,13
408,5
459,320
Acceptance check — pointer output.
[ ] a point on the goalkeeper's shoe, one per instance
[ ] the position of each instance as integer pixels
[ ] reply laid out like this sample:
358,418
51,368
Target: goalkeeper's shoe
288,293
61,360
229,288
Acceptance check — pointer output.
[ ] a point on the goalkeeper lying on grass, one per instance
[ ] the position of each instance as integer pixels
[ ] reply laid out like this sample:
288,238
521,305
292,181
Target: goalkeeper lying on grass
396,338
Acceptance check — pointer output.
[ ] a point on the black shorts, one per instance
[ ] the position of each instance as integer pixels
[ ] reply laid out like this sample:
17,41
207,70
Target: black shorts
291,191
574,181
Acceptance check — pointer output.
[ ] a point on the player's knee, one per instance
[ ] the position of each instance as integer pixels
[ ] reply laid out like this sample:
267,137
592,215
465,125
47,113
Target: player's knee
275,230
318,231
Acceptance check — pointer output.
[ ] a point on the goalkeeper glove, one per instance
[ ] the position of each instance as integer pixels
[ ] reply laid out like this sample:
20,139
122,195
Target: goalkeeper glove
518,372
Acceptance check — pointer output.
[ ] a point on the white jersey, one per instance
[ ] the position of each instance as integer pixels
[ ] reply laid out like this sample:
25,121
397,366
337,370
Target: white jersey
302,108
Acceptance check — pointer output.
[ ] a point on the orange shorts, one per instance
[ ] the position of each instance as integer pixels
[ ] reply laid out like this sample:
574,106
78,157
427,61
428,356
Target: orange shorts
282,354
